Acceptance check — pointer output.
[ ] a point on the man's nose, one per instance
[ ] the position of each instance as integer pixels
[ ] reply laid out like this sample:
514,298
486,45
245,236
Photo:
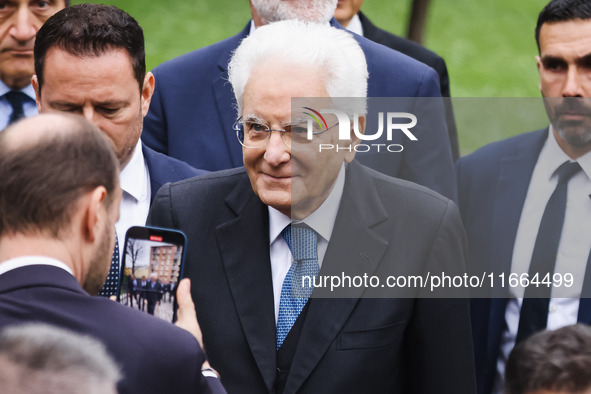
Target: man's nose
23,26
276,152
572,85
89,113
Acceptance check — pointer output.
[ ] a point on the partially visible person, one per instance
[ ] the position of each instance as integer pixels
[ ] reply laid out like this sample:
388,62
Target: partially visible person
153,292
90,60
19,22
551,362
348,14
132,290
38,358
192,113
59,201
525,201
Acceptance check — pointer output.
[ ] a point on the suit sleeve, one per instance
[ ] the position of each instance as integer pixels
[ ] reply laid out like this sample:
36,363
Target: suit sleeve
161,215
155,132
428,161
440,341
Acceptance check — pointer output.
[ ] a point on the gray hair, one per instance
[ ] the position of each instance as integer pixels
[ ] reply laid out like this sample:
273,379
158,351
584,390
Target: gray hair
332,51
317,11
39,358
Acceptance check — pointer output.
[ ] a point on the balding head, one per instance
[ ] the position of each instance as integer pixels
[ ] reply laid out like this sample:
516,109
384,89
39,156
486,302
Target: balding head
46,164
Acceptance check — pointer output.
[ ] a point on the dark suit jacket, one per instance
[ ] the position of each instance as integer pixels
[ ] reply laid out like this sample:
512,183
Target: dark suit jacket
193,109
423,55
347,345
164,169
153,294
155,356
493,183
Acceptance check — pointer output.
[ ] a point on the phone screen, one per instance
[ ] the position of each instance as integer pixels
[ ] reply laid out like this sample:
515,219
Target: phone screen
151,270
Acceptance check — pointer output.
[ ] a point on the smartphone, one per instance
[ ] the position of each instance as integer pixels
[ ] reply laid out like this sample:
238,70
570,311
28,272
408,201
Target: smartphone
152,267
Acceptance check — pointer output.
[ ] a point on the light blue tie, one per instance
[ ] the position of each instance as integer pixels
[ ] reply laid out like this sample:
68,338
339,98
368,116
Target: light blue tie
303,243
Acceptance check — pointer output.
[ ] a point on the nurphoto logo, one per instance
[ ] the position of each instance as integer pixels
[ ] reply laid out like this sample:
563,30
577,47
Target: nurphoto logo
390,122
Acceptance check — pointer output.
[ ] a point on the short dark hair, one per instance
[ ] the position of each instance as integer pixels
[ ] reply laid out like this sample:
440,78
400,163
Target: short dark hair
557,360
562,11
43,180
91,30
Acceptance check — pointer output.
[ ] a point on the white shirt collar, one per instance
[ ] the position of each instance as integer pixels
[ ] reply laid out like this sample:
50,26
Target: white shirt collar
25,261
132,178
552,156
355,25
28,90
321,220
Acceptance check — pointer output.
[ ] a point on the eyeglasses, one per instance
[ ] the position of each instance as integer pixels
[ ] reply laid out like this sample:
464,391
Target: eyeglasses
252,134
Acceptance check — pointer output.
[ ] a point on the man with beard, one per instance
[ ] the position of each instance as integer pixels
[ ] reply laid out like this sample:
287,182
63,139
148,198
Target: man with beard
90,60
526,205
192,111
59,201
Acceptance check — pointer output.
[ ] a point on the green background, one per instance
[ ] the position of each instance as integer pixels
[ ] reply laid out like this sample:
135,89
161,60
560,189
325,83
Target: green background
488,45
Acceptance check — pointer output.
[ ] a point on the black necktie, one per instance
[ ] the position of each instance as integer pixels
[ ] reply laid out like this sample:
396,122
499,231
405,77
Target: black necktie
111,285
534,311
16,100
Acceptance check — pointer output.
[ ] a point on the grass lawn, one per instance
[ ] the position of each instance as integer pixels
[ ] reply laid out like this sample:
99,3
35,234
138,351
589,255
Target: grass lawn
488,45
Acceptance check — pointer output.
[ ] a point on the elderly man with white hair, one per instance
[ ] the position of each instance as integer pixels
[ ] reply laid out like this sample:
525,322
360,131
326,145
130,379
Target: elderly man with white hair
190,117
266,333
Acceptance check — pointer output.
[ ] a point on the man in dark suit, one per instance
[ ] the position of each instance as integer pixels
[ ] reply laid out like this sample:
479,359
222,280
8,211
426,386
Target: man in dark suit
153,292
108,84
349,15
192,113
242,224
59,201
19,22
521,205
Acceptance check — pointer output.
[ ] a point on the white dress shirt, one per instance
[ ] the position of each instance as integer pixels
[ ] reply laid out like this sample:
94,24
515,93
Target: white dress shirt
25,261
29,107
321,220
355,25
135,204
573,250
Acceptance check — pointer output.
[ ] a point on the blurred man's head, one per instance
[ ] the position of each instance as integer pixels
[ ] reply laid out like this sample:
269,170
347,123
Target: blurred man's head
90,60
563,35
551,362
41,359
316,11
346,10
19,22
60,184
266,74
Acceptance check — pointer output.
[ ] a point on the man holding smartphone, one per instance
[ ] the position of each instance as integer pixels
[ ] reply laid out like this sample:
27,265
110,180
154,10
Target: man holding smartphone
59,201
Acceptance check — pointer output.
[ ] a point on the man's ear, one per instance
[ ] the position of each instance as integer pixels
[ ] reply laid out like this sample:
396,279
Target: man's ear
539,65
147,92
35,83
94,213
355,140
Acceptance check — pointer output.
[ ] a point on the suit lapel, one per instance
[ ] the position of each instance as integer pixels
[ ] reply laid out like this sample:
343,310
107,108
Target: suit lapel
514,178
225,101
250,279
327,316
